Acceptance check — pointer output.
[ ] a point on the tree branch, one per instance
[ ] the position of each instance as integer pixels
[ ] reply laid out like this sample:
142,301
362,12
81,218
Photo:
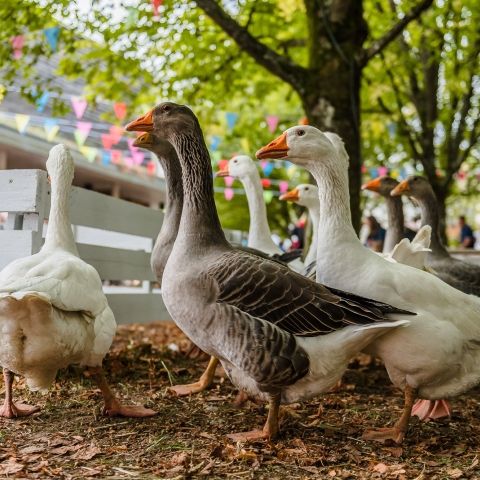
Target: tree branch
395,30
275,63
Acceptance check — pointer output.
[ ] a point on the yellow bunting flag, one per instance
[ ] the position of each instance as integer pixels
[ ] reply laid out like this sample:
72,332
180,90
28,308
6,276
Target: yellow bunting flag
22,122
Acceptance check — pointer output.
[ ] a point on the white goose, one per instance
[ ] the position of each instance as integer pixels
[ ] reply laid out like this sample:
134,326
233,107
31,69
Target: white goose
438,355
244,169
53,312
306,195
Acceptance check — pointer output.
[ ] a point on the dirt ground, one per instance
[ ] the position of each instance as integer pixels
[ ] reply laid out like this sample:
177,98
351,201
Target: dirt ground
71,439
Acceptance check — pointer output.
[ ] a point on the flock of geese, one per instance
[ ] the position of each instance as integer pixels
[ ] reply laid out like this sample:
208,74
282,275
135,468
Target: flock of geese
282,332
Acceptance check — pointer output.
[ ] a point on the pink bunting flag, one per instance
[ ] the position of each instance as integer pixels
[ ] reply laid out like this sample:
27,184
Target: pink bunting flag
128,161
156,7
283,186
79,106
120,110
117,156
229,181
138,157
116,133
17,43
131,146
228,193
107,141
382,171
84,128
151,167
272,122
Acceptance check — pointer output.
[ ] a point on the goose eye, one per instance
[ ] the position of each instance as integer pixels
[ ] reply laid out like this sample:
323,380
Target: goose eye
300,133
166,108
306,189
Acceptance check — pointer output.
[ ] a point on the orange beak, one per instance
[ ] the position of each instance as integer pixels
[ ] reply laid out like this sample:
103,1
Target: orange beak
143,140
401,189
141,124
277,148
291,196
372,185
224,172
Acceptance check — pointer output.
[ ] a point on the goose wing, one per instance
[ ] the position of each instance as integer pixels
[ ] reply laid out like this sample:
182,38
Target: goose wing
272,292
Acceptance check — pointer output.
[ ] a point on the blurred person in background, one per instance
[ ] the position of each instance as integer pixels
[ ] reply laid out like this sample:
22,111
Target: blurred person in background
376,234
467,239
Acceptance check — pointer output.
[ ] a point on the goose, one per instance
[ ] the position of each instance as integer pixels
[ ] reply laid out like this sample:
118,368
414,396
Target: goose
279,336
462,275
306,195
244,169
437,355
396,230
45,324
167,156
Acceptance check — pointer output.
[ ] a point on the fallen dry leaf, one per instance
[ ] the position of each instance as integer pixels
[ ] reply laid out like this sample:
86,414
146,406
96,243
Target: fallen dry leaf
10,467
380,468
86,453
454,472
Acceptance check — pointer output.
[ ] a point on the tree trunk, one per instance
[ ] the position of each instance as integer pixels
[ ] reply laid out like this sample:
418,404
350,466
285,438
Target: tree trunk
331,94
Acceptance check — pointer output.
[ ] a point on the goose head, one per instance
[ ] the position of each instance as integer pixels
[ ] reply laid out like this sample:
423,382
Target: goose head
381,185
306,146
160,147
304,194
60,165
414,186
240,166
165,120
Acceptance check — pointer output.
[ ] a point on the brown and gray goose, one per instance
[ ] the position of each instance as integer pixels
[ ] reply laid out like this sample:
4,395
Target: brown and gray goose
461,275
167,156
279,336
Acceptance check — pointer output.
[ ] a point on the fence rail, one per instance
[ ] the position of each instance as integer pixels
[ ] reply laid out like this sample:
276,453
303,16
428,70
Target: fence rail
119,247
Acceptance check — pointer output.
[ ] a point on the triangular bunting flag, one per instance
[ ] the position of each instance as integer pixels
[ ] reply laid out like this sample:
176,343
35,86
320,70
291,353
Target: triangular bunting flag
107,141
267,196
52,35
80,138
84,127
138,157
151,167
116,156
215,142
156,7
79,106
283,186
266,182
120,110
106,156
245,145
228,193
272,122
42,101
50,125
231,118
229,181
22,122
116,133
17,45
90,153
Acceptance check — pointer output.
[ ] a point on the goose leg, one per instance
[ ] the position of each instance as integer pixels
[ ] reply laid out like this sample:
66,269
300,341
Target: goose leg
398,431
197,387
10,409
270,429
113,407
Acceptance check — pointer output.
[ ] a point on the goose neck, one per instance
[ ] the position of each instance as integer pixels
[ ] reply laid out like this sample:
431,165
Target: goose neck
429,216
313,214
395,223
259,229
59,232
199,223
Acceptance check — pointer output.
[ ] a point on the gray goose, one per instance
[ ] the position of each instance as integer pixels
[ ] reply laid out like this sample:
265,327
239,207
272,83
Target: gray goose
168,159
279,336
461,275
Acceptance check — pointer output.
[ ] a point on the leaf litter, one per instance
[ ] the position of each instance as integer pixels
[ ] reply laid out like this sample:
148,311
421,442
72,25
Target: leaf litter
71,439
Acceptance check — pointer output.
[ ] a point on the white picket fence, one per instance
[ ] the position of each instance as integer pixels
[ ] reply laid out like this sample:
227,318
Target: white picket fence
113,235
